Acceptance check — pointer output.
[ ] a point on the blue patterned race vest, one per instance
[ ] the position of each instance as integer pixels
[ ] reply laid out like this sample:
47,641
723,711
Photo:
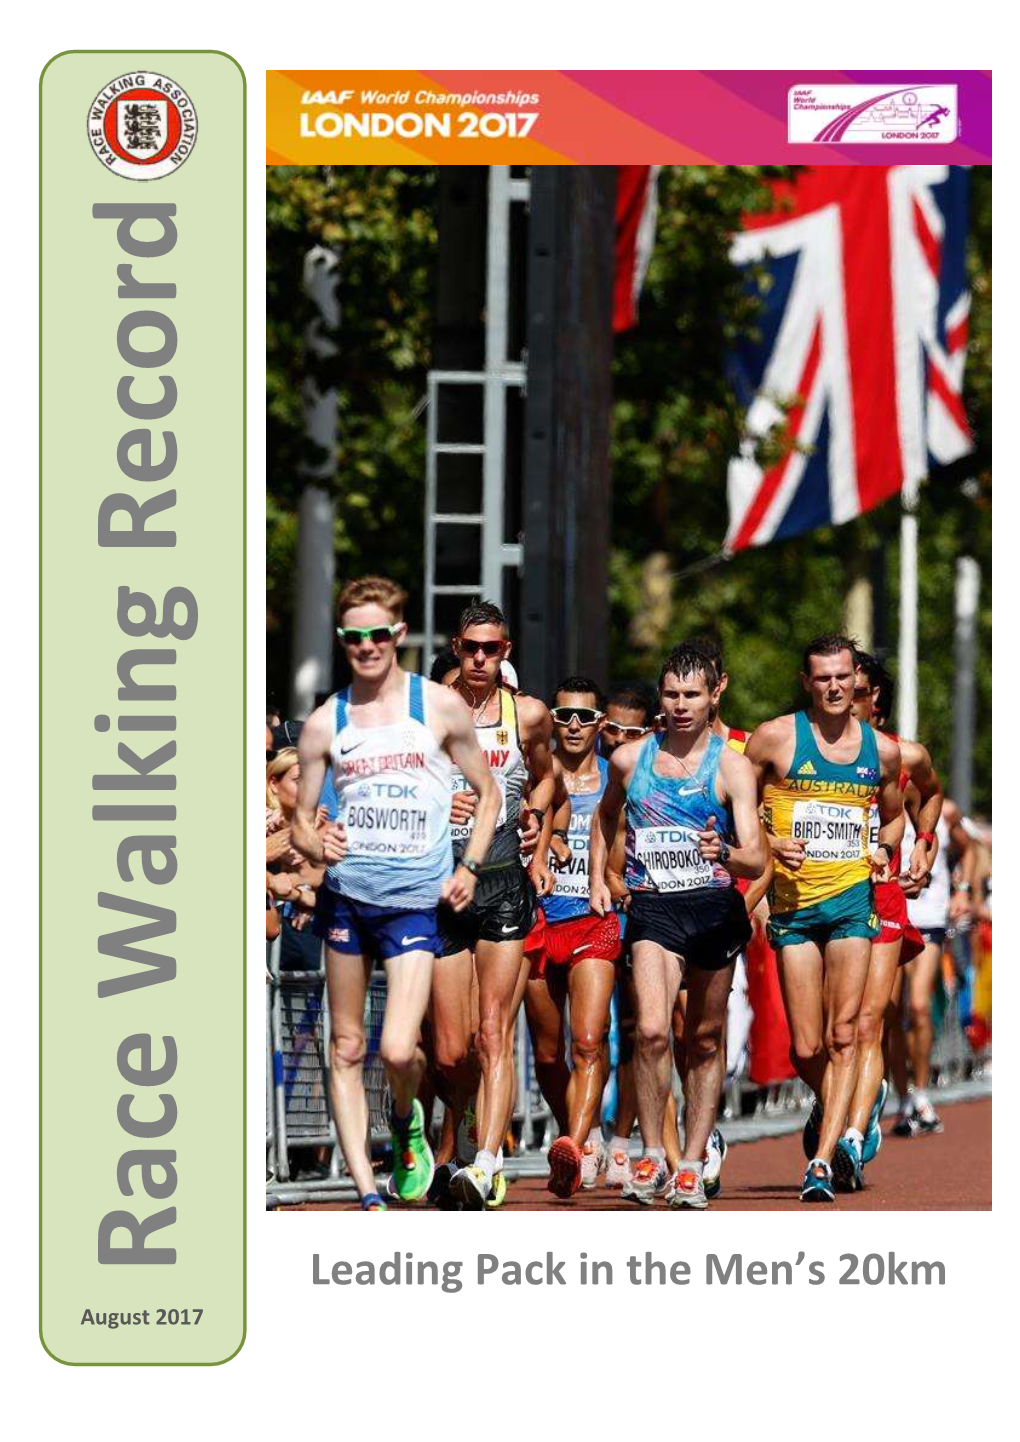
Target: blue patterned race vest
393,798
664,816
571,895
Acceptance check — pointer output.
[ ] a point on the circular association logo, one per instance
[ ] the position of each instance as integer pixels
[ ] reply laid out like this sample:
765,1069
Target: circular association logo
142,126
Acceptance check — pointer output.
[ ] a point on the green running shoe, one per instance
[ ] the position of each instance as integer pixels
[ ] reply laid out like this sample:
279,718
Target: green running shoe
413,1163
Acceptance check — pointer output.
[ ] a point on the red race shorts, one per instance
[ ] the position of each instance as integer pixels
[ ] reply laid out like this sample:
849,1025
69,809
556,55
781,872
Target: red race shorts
891,905
534,942
567,942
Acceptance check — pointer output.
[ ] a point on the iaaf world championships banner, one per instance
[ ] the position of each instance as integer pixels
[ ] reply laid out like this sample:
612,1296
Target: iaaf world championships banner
681,117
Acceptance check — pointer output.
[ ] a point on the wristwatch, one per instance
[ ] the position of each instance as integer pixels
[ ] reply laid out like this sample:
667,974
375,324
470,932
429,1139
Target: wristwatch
562,833
539,811
884,846
724,854
473,866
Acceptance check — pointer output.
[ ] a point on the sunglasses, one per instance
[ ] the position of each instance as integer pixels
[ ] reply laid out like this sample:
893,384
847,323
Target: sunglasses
358,635
615,728
861,693
583,715
471,648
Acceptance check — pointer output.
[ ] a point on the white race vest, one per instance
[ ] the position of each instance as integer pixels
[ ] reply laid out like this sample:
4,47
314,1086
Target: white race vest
501,748
393,796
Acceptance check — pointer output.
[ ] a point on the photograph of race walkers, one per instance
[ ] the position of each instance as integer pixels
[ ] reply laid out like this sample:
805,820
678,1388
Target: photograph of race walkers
570,468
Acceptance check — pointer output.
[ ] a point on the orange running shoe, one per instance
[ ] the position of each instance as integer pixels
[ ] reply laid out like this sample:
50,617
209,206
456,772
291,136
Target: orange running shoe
564,1167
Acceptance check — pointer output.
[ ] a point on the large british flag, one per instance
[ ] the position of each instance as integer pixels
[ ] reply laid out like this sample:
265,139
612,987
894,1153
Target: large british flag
863,342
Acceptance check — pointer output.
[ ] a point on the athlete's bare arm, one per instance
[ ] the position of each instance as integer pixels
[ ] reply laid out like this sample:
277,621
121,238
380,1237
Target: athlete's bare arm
929,798
965,899
740,789
891,816
456,733
327,845
605,824
770,753
616,867
535,725
559,819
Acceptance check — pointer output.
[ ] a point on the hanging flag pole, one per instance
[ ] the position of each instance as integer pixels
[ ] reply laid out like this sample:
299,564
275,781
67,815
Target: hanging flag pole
906,710
312,665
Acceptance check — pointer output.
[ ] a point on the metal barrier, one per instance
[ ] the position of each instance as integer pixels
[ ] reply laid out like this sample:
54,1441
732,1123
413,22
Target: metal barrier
298,1116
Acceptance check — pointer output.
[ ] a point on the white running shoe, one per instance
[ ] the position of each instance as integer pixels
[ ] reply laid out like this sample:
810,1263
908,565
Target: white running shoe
687,1189
593,1160
715,1155
648,1179
470,1187
927,1118
617,1169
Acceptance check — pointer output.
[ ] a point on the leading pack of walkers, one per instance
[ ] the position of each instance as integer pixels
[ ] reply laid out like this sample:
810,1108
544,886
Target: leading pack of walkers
489,851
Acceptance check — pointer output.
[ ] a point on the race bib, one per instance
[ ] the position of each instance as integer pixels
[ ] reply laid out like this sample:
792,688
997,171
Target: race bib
572,879
873,826
460,831
380,825
830,832
671,859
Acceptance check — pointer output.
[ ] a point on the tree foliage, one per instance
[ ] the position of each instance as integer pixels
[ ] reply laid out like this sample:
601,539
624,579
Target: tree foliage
676,423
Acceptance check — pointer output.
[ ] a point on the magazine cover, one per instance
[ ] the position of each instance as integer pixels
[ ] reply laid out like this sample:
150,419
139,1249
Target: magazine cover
589,474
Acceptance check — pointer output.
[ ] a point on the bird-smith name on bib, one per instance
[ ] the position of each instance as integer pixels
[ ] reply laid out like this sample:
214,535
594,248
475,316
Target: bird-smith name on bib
671,858
830,832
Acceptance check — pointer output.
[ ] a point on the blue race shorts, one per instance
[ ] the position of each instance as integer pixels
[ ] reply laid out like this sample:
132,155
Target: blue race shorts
380,932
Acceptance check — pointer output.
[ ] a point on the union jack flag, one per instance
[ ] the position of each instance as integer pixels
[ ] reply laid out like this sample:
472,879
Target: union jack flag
637,208
863,341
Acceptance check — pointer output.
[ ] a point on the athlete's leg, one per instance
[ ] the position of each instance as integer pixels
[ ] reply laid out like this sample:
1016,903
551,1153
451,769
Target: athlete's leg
510,1043
500,985
705,1049
346,987
656,983
895,1039
846,967
882,969
801,981
408,981
679,1015
453,1027
590,986
626,1092
923,971
670,1115
446,1148
544,1002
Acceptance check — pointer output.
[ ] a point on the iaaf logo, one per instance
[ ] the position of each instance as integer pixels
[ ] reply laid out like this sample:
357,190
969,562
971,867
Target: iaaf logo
142,126
872,115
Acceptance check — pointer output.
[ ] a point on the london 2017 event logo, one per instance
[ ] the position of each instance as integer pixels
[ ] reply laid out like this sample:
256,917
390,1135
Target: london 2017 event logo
142,126
870,115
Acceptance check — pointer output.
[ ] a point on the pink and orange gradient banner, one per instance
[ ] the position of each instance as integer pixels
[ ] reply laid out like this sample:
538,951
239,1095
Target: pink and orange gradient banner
543,117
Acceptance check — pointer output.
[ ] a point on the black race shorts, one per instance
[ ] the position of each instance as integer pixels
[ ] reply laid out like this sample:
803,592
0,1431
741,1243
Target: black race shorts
504,909
708,928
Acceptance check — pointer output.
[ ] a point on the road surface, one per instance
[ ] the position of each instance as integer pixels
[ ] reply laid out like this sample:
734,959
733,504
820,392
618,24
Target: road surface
948,1172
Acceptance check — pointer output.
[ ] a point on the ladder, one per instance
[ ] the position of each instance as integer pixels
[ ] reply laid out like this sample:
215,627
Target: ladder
443,545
